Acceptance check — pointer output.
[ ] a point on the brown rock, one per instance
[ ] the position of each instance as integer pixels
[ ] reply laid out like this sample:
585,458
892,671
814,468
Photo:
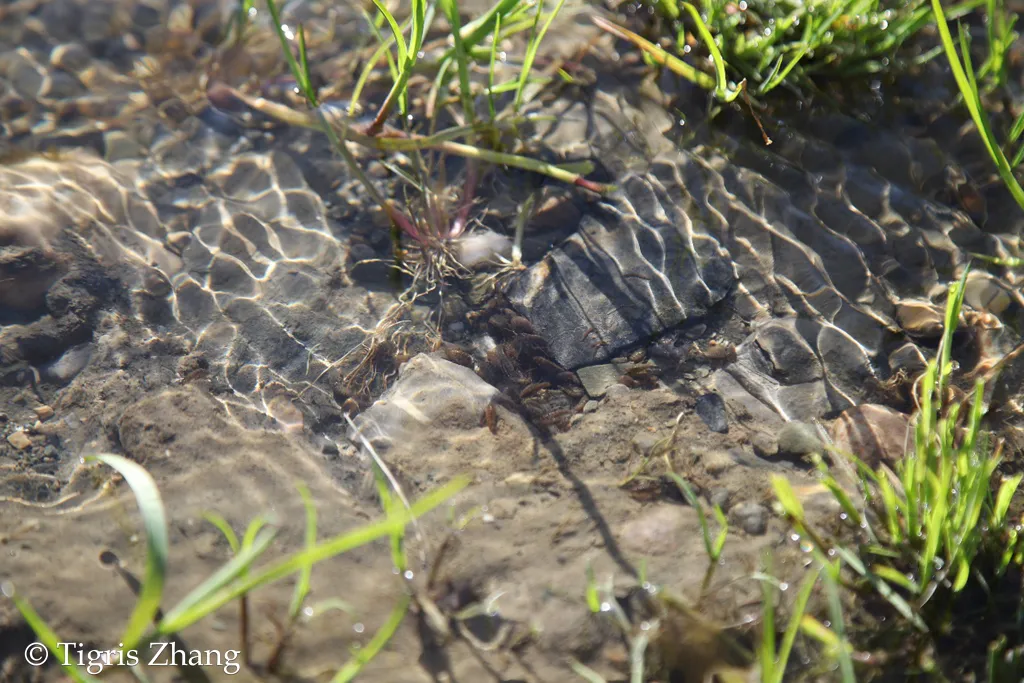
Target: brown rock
19,440
876,434
920,319
43,412
660,530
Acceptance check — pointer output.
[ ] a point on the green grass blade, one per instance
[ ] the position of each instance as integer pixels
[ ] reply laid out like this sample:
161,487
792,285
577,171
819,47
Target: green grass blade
954,303
154,521
490,71
722,90
222,525
531,52
723,533
1004,496
898,578
352,667
322,551
674,64
637,648
302,585
301,77
852,513
766,649
585,672
593,599
883,589
1017,128
254,528
383,50
789,637
45,634
835,609
183,614
451,11
396,32
974,106
691,498
784,493
477,31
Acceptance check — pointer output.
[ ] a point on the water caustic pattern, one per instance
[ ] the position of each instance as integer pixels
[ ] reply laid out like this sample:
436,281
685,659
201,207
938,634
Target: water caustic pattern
828,245
831,248
189,226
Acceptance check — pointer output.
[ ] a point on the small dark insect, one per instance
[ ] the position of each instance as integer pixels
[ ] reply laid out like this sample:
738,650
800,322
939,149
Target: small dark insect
558,418
567,377
531,344
640,376
498,325
521,325
473,316
574,392
549,366
499,366
490,418
350,407
643,489
534,388
341,393
457,354
638,356
510,349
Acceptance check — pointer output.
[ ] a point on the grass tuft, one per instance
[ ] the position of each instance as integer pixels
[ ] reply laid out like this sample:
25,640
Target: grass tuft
234,579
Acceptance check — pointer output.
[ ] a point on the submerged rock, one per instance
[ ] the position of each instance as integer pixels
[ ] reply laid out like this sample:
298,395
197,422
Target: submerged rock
711,409
798,439
875,434
750,517
638,264
430,392
597,379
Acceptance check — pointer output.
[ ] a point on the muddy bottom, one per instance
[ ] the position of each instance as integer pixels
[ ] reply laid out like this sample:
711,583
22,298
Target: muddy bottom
191,284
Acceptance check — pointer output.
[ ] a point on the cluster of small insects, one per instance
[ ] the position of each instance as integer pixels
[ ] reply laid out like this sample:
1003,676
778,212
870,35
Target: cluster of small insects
520,364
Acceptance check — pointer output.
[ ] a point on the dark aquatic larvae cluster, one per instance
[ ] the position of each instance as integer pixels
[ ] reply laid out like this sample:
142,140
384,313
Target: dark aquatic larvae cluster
507,353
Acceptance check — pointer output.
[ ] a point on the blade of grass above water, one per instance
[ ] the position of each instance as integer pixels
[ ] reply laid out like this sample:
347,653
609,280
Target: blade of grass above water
531,52
179,618
975,107
154,521
45,635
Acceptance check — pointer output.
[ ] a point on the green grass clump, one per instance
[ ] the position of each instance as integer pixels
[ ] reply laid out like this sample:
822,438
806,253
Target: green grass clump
937,528
239,576
764,44
1006,156
403,46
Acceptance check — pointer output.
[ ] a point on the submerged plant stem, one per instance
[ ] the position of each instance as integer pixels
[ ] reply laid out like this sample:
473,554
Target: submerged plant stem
401,142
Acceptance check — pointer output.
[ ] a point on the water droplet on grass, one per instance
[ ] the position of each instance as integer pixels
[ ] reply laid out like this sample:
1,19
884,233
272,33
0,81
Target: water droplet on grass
358,627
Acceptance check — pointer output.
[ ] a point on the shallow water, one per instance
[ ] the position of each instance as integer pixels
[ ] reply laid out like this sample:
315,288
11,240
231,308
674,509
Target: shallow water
178,283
